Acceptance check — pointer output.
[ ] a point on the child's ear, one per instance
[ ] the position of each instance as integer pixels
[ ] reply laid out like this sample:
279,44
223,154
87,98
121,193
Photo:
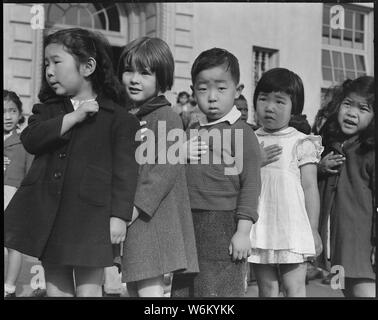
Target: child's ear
89,67
193,95
239,89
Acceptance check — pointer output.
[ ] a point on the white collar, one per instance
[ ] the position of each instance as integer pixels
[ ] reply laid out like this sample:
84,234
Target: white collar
230,117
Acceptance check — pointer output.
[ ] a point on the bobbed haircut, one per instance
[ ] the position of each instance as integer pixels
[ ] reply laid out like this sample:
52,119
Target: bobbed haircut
282,80
12,96
151,53
83,44
182,94
213,58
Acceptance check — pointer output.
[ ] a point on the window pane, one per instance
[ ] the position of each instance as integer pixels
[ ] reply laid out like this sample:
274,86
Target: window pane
359,21
359,37
361,74
348,19
337,62
55,14
348,39
71,16
100,22
327,74
113,18
336,34
349,63
350,75
360,61
339,75
85,18
326,31
326,15
326,58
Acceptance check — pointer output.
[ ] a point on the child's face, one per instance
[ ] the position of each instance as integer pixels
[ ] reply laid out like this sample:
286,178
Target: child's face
183,99
243,108
215,92
11,116
140,84
62,73
273,110
355,114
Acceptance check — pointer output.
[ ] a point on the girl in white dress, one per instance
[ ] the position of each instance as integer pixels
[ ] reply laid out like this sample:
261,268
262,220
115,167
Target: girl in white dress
286,234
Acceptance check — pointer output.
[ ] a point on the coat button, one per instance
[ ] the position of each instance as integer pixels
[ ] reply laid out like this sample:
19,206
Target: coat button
62,155
57,175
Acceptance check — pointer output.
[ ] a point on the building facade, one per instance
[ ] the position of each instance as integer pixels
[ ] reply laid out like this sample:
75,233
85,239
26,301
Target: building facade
297,36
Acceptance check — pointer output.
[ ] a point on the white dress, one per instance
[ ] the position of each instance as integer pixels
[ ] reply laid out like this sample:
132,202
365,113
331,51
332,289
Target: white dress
283,233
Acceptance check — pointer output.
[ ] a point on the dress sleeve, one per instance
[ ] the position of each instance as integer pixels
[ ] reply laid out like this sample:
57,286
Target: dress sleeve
309,150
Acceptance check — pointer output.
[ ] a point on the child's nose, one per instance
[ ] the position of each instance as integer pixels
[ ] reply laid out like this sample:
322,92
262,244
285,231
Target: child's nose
134,77
212,96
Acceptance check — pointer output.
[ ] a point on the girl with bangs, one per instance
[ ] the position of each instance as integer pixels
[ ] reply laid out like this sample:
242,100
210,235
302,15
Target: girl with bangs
160,238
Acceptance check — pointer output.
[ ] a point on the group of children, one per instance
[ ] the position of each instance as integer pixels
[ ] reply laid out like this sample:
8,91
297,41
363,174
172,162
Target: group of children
87,193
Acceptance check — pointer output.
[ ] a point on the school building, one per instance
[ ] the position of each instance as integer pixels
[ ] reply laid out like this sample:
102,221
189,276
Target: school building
303,37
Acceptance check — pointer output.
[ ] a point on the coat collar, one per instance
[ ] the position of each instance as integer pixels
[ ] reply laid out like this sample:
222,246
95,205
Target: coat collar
103,102
151,105
12,140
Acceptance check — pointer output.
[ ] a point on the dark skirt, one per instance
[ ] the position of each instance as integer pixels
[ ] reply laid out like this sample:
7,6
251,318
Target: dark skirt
219,276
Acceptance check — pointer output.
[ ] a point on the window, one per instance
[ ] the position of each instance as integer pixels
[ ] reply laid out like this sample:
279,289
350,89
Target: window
264,59
344,51
87,15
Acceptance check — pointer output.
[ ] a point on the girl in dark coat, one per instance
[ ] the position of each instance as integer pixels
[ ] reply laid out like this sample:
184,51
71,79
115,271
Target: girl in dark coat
160,239
78,194
347,187
16,164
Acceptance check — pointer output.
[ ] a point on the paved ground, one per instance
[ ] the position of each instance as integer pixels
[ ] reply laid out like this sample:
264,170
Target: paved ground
314,289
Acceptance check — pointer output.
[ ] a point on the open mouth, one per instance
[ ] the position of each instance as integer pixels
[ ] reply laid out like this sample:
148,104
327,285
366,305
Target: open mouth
350,123
134,90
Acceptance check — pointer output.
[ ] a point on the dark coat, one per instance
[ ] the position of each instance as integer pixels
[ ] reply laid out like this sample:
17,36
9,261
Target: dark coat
348,202
77,181
20,160
162,239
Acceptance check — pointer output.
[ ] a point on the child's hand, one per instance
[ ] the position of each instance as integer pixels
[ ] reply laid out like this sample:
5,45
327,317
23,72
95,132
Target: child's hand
330,162
372,256
143,129
240,246
270,153
193,149
134,217
117,230
318,242
86,108
6,162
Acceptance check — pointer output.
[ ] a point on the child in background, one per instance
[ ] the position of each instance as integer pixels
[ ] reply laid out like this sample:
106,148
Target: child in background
286,234
182,103
16,164
78,194
347,185
242,105
224,204
160,237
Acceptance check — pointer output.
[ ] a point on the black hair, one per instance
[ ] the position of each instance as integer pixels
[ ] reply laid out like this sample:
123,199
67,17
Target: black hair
241,98
282,80
12,96
299,122
213,58
181,94
152,53
331,131
83,44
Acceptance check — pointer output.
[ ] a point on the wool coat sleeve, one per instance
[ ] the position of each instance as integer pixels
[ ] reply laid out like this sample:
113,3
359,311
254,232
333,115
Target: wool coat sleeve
250,179
125,167
156,180
43,130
